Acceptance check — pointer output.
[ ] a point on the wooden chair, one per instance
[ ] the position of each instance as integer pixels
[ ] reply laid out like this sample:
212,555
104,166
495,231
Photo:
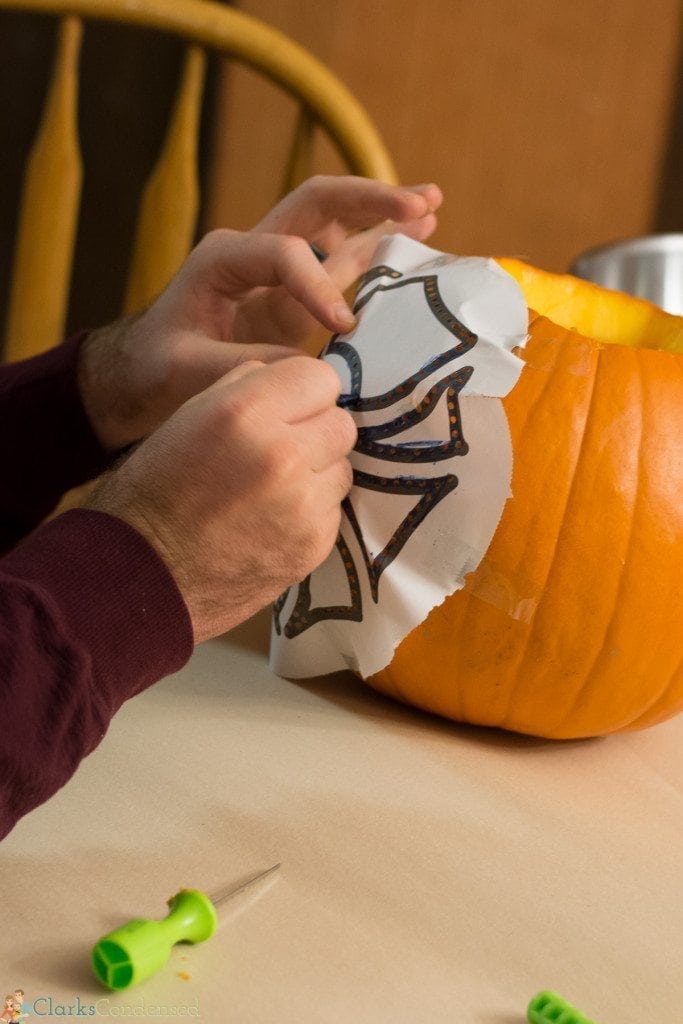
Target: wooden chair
167,217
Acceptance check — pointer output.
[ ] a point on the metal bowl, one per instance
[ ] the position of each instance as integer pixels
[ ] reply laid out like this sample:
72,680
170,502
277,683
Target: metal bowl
650,267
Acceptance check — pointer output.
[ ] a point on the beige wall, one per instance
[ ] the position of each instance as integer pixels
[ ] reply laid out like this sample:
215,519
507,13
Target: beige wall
545,123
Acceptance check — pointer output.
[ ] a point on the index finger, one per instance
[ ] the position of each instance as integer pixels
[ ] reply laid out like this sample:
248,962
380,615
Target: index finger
350,201
290,390
234,262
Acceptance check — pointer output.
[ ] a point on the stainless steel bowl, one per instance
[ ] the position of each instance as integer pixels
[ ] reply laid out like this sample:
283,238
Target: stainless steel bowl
650,267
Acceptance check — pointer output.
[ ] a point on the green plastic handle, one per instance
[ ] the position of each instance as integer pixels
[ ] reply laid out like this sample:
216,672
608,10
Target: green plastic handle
138,949
549,1008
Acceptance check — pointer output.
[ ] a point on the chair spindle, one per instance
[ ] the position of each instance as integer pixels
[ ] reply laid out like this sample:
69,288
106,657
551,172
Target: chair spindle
170,202
300,158
48,217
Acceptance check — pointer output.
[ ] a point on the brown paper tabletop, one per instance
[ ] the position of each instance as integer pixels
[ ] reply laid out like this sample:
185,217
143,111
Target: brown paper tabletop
430,872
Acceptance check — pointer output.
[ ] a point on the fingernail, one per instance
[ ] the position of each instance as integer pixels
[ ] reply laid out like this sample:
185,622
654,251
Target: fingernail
416,193
420,189
343,314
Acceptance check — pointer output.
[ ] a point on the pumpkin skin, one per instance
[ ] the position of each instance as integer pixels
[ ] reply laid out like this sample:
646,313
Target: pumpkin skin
588,555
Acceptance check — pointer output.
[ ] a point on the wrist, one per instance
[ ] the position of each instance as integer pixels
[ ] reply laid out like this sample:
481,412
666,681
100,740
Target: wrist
118,496
103,382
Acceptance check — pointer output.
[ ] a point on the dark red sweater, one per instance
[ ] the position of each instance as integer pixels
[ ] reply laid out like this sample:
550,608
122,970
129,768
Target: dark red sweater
89,613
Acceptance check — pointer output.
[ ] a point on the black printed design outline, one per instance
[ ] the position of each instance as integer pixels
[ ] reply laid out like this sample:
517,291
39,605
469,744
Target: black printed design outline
438,307
344,349
351,357
278,605
381,271
303,616
430,451
432,489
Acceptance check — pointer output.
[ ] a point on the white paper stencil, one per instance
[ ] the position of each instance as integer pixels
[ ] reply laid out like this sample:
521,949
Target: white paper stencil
423,374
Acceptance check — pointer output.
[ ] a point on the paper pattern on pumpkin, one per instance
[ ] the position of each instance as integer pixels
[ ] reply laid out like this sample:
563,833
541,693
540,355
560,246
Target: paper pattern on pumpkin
422,374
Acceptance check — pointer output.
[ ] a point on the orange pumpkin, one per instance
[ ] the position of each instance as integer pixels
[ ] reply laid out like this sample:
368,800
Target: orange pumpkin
573,624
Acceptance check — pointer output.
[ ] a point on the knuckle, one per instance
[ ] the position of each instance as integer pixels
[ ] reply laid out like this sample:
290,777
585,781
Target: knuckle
232,416
339,482
345,429
302,369
337,447
316,544
346,476
246,363
316,183
324,378
231,410
301,555
299,367
215,238
329,373
327,535
291,246
282,461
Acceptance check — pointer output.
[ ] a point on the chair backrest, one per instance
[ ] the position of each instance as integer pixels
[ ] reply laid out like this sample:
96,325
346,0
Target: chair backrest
166,225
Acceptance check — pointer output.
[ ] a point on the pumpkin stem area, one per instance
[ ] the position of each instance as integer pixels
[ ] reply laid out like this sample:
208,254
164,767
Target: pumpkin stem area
606,316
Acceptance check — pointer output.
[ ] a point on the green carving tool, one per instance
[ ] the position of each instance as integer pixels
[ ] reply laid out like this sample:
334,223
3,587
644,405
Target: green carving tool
138,949
549,1008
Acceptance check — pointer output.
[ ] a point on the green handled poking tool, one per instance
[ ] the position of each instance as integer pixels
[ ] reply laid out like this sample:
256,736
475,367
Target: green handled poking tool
133,952
549,1008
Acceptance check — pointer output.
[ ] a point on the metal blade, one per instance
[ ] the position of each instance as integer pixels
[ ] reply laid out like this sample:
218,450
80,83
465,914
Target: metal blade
254,883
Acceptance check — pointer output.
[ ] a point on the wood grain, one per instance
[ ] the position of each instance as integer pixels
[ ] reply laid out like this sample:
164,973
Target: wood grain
545,124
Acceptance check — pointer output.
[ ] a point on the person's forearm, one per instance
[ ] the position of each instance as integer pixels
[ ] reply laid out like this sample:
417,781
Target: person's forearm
89,616
47,444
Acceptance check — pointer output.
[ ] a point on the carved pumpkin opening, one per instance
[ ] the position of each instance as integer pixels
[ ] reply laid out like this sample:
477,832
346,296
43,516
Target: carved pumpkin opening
607,316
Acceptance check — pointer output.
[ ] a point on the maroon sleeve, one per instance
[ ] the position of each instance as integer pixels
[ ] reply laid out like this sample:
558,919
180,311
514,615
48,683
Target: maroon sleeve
46,442
89,616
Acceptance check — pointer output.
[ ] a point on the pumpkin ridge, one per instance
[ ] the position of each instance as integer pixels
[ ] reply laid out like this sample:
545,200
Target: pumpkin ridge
588,680
672,689
518,440
584,472
519,435
562,364
522,654
390,682
650,715
540,394
648,709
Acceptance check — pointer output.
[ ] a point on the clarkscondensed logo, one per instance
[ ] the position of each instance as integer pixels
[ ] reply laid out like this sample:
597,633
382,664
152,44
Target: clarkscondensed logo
18,1010
15,1008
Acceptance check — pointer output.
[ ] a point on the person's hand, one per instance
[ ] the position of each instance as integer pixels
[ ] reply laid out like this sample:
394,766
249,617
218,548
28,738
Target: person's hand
134,374
240,490
264,287
344,217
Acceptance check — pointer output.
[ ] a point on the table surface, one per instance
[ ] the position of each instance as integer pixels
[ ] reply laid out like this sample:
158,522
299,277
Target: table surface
430,871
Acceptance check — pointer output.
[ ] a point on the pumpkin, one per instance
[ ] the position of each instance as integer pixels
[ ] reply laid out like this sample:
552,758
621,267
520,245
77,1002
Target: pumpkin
572,626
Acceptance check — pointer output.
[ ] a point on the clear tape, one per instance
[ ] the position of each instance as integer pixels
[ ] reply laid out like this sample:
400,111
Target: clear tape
515,595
